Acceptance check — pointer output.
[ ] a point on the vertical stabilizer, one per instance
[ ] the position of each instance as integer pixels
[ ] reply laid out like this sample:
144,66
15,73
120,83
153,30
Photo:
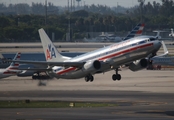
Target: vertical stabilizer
171,34
158,34
50,51
14,66
1,56
136,31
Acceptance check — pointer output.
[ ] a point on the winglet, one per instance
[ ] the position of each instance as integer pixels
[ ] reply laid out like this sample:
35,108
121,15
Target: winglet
166,52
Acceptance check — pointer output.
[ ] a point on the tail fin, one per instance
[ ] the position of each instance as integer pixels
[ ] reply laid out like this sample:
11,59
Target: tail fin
15,65
1,56
171,34
51,53
158,33
171,30
138,29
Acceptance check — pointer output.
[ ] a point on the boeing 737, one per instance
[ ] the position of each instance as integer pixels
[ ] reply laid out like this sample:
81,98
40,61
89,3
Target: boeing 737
12,69
131,52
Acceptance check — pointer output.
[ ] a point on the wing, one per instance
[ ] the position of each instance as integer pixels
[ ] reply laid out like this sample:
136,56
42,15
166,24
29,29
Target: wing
64,64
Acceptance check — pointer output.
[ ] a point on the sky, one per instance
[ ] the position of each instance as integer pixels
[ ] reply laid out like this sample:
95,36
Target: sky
111,3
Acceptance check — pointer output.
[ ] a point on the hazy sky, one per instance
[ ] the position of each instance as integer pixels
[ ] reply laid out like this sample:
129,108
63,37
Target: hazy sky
111,3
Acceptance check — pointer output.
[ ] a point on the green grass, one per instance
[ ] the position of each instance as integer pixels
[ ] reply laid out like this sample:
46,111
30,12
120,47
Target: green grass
51,104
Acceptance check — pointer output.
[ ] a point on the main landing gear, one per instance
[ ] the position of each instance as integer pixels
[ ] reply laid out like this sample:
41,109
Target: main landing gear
42,77
89,78
116,76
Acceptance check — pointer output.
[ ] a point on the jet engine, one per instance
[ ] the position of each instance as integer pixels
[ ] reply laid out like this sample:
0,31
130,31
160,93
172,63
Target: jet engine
138,65
92,65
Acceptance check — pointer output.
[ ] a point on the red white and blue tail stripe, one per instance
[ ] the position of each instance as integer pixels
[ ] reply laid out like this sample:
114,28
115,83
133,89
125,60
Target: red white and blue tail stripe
13,68
137,31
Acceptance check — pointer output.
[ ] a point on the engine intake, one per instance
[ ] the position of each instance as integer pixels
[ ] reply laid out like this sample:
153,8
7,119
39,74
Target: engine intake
97,64
92,65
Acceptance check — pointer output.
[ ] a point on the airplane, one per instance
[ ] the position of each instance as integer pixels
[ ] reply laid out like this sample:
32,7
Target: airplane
12,69
3,61
171,34
136,31
131,52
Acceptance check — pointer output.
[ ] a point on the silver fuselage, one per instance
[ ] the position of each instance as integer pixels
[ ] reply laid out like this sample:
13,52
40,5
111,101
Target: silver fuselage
114,55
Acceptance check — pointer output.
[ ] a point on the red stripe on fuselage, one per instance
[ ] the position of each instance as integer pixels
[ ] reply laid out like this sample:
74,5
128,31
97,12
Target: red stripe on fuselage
125,51
10,72
66,70
109,56
12,68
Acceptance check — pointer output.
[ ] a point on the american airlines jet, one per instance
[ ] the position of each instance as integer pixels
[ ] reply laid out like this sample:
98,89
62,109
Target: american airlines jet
12,69
131,52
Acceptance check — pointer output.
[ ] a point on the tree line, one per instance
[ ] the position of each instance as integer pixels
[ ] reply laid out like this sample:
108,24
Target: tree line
87,19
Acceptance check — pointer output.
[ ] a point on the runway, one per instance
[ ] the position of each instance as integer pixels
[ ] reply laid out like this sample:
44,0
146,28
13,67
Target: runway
139,95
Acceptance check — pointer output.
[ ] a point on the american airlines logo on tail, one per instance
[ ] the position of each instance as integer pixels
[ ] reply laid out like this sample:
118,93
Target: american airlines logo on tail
137,31
50,52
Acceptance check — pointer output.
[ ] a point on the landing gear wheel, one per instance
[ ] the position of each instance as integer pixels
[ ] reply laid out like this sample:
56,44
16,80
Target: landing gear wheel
86,79
89,78
116,76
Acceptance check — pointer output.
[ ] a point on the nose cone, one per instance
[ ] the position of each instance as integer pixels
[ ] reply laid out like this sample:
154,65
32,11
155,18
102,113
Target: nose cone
157,45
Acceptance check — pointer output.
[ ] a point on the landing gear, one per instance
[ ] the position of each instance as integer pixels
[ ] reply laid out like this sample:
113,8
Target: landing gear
42,77
89,78
116,76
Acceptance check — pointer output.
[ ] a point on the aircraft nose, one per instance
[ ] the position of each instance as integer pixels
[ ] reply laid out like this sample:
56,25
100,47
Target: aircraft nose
157,45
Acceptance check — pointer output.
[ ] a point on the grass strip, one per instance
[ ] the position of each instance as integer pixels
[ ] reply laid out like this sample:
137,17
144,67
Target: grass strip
52,104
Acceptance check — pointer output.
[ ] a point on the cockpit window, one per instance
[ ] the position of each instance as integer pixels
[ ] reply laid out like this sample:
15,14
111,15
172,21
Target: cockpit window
152,39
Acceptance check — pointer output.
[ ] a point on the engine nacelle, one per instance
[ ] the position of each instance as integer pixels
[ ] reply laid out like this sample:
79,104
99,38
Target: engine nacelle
138,65
92,65
25,73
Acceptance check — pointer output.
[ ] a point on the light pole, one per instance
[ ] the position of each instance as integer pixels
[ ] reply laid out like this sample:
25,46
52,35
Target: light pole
45,12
